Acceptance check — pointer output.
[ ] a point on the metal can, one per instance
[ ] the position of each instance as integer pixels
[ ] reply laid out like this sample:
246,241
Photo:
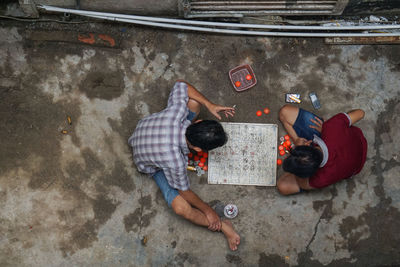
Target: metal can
231,211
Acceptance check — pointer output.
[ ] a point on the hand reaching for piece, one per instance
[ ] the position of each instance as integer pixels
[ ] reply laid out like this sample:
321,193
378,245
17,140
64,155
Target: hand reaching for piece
215,109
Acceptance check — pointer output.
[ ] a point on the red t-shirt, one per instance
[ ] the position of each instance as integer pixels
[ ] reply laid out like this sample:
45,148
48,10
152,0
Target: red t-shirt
347,149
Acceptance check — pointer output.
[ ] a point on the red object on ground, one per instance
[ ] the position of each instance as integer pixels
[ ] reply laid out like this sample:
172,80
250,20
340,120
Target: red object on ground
190,155
287,137
203,160
288,143
205,155
201,164
87,40
282,152
266,110
237,84
279,162
205,168
249,77
196,158
280,148
107,38
259,113
200,153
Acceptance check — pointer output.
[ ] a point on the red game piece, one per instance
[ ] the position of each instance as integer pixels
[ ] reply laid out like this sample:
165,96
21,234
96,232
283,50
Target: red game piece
190,155
196,158
280,148
205,168
279,162
203,160
266,110
248,77
237,83
201,164
287,137
205,155
288,143
282,152
200,153
259,113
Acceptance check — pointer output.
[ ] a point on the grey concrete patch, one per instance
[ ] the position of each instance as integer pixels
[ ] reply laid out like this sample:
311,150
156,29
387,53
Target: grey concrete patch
76,199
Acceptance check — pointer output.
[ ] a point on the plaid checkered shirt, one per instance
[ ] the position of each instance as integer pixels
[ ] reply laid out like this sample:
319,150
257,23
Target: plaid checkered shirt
159,141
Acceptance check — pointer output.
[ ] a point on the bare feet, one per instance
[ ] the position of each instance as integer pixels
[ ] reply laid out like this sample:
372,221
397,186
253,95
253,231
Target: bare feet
230,234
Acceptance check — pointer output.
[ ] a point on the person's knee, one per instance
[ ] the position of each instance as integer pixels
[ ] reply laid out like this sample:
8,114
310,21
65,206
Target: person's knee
284,112
180,206
194,106
285,188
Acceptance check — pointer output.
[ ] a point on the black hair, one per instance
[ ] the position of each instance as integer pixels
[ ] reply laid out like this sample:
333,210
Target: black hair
206,134
303,161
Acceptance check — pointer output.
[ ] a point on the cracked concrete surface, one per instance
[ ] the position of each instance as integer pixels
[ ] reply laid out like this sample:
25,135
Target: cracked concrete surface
76,199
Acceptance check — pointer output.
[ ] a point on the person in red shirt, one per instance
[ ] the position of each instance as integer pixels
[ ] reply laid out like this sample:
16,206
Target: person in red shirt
325,151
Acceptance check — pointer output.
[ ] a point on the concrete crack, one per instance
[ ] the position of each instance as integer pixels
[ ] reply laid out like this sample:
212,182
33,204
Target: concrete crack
314,234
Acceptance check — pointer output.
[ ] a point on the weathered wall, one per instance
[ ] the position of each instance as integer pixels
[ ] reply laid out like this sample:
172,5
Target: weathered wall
358,7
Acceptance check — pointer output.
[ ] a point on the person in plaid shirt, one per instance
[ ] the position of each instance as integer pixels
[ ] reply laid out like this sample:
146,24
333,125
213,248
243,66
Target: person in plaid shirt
161,143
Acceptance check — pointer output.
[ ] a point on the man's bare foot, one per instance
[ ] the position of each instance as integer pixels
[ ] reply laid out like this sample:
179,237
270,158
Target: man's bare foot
230,234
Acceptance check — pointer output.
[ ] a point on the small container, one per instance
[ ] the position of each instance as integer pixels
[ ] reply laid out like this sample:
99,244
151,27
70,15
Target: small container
231,211
239,74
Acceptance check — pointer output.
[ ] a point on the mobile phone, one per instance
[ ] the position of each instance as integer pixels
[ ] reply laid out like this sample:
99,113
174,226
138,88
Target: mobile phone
315,101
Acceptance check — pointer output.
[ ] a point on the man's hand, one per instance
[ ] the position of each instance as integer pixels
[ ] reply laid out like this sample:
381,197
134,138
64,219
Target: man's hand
213,220
214,109
317,124
302,142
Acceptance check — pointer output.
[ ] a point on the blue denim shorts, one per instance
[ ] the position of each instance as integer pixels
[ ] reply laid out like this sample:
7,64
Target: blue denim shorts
302,125
191,115
169,192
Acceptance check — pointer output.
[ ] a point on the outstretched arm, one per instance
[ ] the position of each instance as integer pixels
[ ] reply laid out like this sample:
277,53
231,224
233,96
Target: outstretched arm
213,108
356,115
212,216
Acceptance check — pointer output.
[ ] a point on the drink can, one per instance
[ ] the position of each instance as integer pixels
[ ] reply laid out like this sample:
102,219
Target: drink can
231,211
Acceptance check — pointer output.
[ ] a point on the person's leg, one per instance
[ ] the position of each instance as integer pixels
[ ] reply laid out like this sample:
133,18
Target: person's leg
194,106
181,207
184,209
287,184
288,115
297,122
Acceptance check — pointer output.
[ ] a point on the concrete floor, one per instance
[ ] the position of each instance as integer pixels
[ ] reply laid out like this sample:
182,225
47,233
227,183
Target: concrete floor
76,199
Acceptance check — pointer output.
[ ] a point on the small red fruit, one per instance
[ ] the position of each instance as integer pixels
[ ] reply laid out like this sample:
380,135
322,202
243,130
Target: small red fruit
266,110
259,113
237,84
248,77
279,162
282,152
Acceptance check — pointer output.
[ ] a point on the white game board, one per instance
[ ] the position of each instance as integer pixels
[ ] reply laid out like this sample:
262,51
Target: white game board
248,158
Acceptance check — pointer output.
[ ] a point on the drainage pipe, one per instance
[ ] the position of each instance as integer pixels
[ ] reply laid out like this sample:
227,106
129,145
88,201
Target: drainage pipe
214,24
241,32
